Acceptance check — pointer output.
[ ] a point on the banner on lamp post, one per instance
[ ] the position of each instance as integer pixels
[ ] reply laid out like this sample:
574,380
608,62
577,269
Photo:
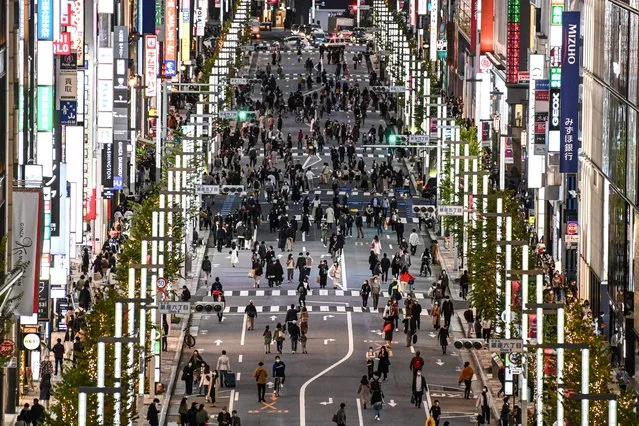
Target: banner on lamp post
26,221
569,125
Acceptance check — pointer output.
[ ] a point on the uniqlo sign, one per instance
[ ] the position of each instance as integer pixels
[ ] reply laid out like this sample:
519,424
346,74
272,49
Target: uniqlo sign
151,65
62,47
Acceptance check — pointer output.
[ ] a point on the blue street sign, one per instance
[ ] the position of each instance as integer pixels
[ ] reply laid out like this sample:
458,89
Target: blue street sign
117,182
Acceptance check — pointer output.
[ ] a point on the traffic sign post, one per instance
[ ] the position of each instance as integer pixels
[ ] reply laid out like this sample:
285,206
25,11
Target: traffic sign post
506,345
207,189
161,283
174,308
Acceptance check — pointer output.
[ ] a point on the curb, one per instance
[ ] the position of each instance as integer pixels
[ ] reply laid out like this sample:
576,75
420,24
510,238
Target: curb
180,344
482,374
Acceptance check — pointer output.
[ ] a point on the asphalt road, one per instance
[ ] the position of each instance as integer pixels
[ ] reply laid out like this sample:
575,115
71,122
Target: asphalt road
340,330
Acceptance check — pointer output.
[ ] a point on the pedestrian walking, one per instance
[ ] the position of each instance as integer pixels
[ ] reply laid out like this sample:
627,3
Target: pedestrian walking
377,398
224,418
443,336
376,289
251,314
413,242
303,340
504,415
371,356
182,419
486,329
290,267
484,402
463,284
58,355
223,367
202,416
304,320
466,376
279,338
205,381
388,331
340,416
364,291
235,419
268,337
294,334
187,377
447,310
260,376
335,272
364,391
417,363
206,267
469,316
419,387
384,363
152,413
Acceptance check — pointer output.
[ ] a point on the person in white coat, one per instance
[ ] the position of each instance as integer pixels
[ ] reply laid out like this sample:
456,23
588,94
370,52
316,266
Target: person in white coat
335,272
235,255
223,366
330,217
376,246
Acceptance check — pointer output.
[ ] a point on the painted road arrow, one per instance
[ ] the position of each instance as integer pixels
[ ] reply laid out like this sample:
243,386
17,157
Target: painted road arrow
328,340
270,385
218,342
431,334
392,403
328,316
439,362
273,317
325,403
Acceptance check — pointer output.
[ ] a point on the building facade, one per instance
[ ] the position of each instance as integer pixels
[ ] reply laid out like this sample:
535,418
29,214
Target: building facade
609,207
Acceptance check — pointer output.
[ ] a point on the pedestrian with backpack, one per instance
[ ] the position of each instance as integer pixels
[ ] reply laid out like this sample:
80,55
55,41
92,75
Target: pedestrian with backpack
206,267
417,363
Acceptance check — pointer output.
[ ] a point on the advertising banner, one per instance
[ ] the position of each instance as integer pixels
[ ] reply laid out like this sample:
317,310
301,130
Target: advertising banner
170,39
25,247
542,94
160,11
150,65
568,158
43,300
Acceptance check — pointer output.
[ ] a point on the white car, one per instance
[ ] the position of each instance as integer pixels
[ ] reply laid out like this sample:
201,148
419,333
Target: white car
292,42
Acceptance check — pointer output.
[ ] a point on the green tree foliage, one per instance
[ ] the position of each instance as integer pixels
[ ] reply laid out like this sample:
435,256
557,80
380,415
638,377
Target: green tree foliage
580,330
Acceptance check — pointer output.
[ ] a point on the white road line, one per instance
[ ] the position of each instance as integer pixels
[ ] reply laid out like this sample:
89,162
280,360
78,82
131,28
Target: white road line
387,236
231,401
359,412
343,263
243,331
390,246
239,358
412,349
349,322
238,375
237,396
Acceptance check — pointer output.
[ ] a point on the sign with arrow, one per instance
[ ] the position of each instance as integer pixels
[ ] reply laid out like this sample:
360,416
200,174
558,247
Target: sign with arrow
325,403
328,340
328,316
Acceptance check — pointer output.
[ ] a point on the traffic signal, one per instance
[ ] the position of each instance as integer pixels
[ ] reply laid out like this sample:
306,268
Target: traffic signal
231,189
394,139
469,344
208,304
354,7
243,115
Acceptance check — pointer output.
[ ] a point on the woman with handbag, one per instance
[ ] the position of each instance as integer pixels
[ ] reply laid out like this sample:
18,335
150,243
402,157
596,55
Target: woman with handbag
183,413
364,391
323,273
278,336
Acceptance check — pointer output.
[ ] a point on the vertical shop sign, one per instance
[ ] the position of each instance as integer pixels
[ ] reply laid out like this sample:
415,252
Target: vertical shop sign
568,158
185,30
45,20
542,94
150,65
512,45
25,247
43,300
76,30
170,39
120,104
66,91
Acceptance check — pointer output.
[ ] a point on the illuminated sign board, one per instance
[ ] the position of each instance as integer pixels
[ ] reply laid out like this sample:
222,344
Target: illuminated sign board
569,158
45,108
170,44
513,42
45,20
151,65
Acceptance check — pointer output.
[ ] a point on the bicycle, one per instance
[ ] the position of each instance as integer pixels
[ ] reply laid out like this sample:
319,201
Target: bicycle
189,339
277,386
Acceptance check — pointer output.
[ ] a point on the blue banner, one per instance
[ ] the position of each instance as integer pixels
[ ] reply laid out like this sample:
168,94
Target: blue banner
45,20
569,124
69,112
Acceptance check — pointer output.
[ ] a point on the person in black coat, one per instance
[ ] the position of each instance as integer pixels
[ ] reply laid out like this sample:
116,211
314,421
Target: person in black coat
279,272
152,414
187,376
270,273
85,297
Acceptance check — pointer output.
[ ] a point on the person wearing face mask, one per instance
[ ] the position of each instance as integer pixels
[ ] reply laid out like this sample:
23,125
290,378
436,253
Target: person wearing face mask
152,413
187,376
370,361
224,418
483,404
419,387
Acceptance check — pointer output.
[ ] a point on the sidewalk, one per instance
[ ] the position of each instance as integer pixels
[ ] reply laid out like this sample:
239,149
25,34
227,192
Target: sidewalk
171,357
484,362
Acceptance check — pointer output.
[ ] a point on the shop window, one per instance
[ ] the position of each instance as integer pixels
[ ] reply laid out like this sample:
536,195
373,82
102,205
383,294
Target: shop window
617,51
631,166
617,122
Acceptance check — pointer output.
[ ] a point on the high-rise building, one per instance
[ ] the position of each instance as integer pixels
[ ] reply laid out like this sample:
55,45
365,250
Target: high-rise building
609,207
